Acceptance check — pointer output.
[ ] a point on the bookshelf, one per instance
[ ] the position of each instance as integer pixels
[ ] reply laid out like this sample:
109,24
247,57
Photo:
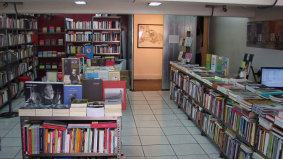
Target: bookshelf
219,117
102,33
76,120
18,36
51,43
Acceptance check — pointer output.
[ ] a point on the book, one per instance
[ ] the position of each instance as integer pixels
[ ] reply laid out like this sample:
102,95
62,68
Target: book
72,92
88,50
27,111
62,110
44,112
104,75
113,107
51,76
219,64
79,103
78,111
208,61
43,93
92,89
213,63
71,70
114,75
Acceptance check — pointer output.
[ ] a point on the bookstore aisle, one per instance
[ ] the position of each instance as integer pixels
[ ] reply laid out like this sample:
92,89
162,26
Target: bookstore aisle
152,127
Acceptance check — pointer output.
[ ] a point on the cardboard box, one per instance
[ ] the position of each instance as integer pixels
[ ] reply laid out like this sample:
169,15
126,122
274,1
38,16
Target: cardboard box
127,79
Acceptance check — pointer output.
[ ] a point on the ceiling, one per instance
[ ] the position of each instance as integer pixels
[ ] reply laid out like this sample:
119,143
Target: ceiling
235,8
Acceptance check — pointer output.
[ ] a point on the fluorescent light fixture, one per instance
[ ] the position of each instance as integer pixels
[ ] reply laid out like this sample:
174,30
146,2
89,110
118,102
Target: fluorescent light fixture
154,4
80,2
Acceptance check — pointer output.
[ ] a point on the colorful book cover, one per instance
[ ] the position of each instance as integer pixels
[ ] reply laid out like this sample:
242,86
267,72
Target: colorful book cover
208,61
72,92
71,70
88,50
219,64
213,63
225,66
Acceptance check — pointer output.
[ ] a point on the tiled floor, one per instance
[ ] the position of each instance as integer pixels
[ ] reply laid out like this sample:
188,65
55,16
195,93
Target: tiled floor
152,128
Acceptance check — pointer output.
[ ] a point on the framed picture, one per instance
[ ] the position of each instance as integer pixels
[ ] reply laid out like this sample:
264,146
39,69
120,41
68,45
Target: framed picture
150,36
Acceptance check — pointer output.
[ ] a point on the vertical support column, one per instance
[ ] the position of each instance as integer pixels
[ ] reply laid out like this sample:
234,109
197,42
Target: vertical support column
119,126
204,49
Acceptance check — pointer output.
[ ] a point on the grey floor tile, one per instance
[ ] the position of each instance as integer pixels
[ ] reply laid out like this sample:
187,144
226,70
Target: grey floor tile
166,117
175,131
159,106
9,123
144,117
188,149
134,151
15,132
181,139
138,102
19,155
193,157
127,118
158,150
153,102
127,124
147,124
177,111
150,98
14,142
201,139
128,131
154,140
4,132
9,152
163,157
162,111
142,111
209,148
131,141
150,131
194,130
127,113
170,123
140,107
135,98
182,116
214,156
187,122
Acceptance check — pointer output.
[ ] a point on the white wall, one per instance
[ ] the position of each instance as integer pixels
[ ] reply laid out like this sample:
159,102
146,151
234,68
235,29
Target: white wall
228,38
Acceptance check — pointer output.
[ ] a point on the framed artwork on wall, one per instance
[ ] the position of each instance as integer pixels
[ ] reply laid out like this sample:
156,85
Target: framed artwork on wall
150,36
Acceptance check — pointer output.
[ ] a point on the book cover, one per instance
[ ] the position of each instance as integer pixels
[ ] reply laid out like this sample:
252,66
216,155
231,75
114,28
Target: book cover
43,93
208,61
213,63
114,90
114,75
104,75
51,76
219,64
92,89
88,50
72,92
71,70
225,66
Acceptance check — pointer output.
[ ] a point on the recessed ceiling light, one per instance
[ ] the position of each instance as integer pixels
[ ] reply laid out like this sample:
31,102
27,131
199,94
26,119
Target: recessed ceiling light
154,4
80,2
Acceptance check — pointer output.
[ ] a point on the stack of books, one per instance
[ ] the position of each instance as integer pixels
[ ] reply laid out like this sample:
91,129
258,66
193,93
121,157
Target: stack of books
78,107
113,107
277,98
95,109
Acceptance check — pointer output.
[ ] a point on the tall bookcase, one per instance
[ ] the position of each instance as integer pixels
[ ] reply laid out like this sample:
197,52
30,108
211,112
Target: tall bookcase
51,45
103,33
235,131
18,55
68,119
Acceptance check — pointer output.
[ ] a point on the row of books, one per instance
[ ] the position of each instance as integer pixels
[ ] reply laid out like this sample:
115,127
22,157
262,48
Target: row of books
79,37
100,49
3,78
56,137
3,95
72,49
16,39
13,23
218,64
14,88
112,75
50,65
105,36
50,54
106,24
71,24
52,42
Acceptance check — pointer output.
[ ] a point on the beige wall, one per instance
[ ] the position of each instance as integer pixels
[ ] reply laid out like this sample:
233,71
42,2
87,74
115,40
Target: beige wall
147,62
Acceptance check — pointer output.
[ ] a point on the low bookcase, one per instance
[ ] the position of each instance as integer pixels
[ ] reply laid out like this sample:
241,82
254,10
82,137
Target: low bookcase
41,153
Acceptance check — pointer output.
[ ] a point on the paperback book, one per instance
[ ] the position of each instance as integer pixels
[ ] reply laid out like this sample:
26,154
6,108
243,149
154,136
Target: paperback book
71,70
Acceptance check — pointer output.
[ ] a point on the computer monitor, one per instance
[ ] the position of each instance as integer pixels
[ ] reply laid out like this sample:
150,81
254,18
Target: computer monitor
272,76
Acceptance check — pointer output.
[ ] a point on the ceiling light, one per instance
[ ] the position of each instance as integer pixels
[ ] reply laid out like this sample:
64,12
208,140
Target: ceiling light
80,2
154,4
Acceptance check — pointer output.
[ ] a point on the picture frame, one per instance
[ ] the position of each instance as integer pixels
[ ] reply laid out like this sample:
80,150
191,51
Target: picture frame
150,36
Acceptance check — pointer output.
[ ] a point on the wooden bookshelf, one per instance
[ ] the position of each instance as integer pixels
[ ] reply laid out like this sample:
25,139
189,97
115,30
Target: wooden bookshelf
77,119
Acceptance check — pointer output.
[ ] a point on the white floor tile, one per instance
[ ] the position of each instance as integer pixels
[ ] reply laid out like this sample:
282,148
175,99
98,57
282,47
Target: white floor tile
166,117
14,142
9,152
147,124
150,131
170,123
135,151
181,139
193,157
201,139
175,131
154,140
209,148
194,130
158,150
163,157
131,141
188,149
144,117
129,131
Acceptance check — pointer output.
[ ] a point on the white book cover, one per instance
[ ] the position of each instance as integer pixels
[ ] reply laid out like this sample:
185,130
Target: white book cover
101,141
266,143
112,141
95,138
104,75
59,145
90,143
213,62
67,143
86,141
